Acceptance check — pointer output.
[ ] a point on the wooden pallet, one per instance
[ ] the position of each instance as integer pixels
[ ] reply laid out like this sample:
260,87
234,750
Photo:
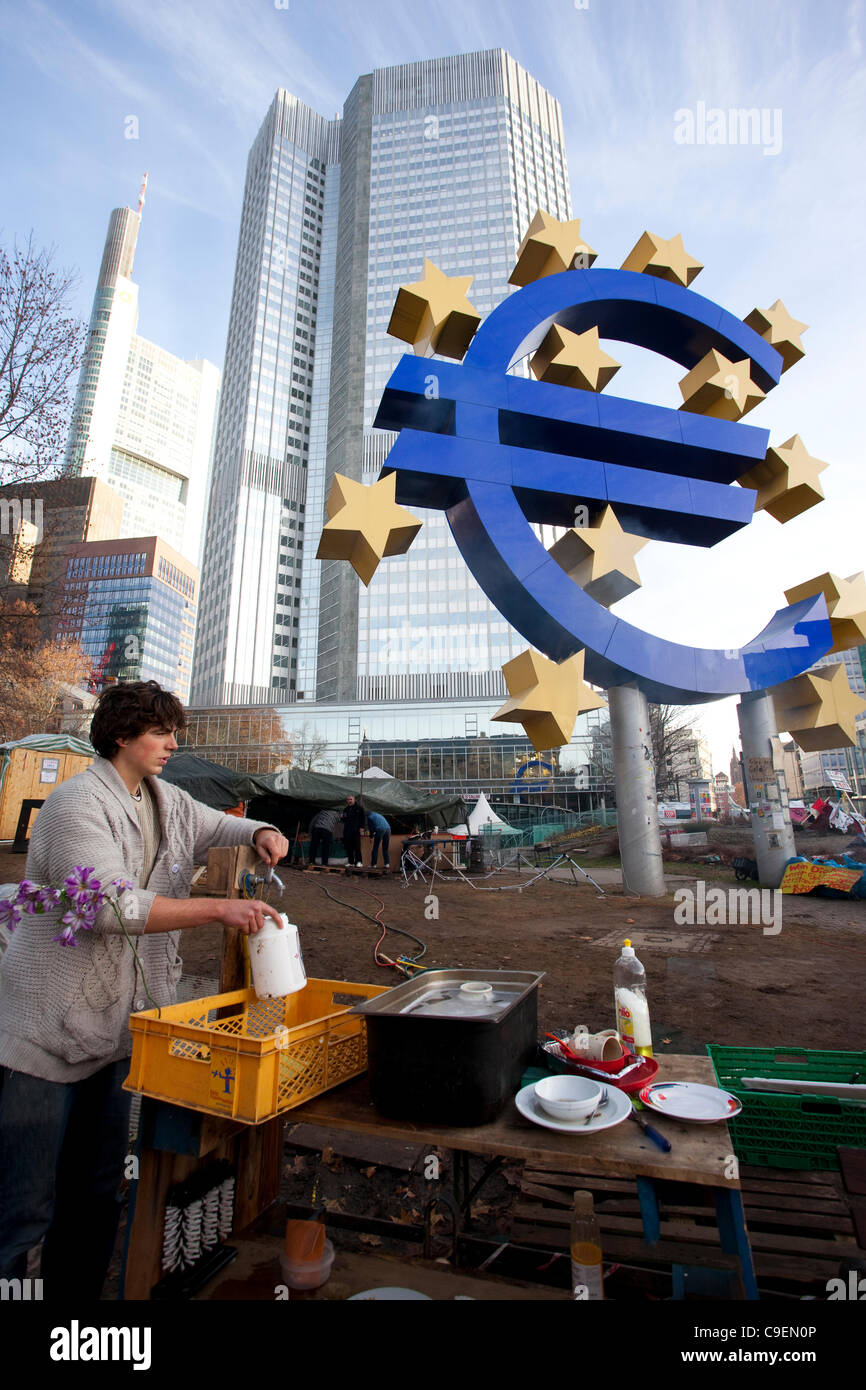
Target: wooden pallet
799,1223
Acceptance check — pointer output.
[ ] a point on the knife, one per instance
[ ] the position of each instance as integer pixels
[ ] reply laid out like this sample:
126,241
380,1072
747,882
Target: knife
653,1134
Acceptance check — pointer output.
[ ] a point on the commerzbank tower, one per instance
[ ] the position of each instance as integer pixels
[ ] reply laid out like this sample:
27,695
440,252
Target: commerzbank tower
448,159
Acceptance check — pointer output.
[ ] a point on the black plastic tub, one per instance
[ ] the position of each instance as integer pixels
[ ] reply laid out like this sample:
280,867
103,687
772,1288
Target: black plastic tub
429,1065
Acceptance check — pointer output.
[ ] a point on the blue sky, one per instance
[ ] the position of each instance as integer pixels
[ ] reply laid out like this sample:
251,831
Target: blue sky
199,75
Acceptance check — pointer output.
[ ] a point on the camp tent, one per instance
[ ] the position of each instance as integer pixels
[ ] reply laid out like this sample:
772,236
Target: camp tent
215,785
483,819
292,797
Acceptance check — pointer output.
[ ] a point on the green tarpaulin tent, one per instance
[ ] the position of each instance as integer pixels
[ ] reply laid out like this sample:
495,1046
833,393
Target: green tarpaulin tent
295,795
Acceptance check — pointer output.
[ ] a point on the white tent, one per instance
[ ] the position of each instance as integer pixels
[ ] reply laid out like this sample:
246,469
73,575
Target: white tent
483,814
374,772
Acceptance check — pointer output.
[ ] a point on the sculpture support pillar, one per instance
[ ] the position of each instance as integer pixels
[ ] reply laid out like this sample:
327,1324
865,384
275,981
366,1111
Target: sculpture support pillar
640,844
766,788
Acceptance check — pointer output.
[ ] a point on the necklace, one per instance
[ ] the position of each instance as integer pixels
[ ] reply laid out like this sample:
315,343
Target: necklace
136,796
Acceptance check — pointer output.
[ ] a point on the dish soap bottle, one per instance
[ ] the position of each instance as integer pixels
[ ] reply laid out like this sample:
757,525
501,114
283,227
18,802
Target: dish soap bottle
632,1010
586,1275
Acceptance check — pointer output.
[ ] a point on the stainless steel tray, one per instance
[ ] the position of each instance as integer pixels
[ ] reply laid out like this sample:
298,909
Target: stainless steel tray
408,999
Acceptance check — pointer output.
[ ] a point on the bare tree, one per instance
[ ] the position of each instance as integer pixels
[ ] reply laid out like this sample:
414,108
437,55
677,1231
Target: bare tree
41,345
308,751
671,734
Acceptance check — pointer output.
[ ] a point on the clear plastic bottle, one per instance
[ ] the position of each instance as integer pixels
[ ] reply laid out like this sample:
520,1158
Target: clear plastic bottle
586,1273
632,1010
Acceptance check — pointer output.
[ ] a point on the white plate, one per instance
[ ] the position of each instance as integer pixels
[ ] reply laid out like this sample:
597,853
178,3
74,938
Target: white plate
390,1295
616,1110
689,1100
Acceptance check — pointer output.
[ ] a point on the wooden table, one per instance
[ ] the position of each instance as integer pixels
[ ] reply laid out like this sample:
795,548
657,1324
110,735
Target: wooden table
700,1154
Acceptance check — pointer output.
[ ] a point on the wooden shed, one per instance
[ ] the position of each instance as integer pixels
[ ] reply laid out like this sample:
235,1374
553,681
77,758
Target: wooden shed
31,769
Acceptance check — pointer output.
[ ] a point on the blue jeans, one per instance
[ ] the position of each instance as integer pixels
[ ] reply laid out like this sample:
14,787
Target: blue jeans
383,838
62,1151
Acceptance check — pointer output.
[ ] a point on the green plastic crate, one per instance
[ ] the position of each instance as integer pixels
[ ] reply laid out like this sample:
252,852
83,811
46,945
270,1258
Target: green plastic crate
777,1131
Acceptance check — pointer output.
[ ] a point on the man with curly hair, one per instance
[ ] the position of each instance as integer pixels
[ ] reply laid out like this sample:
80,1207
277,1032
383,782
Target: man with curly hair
64,1036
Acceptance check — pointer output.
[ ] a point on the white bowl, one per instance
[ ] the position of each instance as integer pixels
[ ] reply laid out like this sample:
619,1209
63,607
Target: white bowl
568,1097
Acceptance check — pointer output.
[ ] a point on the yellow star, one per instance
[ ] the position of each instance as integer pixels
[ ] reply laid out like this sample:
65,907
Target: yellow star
720,388
786,480
546,698
846,605
600,558
668,260
574,359
434,314
818,709
549,247
366,524
776,326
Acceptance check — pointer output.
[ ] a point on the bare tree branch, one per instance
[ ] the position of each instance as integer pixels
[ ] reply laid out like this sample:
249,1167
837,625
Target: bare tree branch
41,347
671,734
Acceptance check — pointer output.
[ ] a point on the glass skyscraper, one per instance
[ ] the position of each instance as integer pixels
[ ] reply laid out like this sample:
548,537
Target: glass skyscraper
131,605
247,641
447,158
143,420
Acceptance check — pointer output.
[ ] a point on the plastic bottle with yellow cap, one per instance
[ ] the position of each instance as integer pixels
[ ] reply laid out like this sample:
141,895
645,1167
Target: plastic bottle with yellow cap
632,1010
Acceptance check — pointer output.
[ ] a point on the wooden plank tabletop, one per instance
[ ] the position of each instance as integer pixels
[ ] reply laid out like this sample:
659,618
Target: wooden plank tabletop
699,1153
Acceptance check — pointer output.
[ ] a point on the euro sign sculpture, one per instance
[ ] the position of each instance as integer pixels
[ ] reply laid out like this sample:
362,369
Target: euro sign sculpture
497,452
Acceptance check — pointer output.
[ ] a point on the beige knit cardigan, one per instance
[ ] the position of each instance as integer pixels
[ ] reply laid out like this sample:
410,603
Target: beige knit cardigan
64,1009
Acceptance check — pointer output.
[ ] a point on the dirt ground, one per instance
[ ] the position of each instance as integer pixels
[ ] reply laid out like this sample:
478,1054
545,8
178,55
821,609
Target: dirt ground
733,985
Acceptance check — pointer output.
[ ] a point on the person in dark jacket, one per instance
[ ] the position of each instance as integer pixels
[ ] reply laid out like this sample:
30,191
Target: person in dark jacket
322,828
354,820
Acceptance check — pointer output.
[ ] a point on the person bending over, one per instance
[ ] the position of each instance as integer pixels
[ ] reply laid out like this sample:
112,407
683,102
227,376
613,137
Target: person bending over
381,832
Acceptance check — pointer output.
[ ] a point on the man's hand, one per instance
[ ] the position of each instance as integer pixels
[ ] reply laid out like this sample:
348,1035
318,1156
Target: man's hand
271,846
247,914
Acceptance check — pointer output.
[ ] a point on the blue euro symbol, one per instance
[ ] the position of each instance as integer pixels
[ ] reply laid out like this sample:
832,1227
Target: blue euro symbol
498,452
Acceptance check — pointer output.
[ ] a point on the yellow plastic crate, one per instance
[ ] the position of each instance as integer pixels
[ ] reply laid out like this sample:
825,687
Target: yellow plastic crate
249,1059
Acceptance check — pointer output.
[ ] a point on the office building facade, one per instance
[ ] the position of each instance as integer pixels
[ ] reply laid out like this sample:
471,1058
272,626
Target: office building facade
143,419
131,605
255,553
448,159
454,745
46,519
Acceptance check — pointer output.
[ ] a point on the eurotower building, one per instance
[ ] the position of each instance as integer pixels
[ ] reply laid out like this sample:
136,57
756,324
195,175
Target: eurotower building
448,159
